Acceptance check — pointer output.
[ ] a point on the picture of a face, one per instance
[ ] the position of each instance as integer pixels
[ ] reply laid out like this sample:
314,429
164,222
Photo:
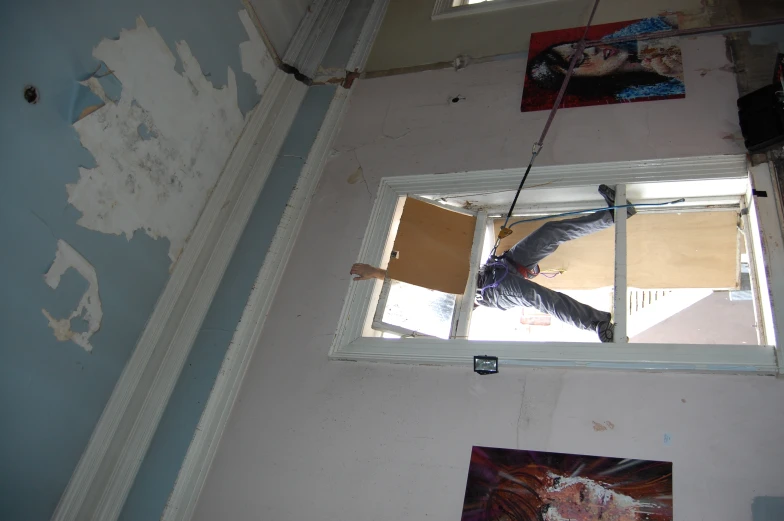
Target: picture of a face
518,485
581,498
607,71
597,60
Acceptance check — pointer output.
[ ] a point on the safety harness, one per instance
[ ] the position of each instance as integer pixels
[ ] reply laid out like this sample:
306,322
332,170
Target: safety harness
487,271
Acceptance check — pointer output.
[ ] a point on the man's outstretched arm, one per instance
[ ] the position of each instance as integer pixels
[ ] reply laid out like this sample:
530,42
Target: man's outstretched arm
366,272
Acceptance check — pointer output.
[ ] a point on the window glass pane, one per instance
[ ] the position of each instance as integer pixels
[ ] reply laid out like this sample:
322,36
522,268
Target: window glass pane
531,325
418,309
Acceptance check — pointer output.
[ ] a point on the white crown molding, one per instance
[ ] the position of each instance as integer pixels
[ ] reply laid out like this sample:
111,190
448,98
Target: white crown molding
361,52
304,29
201,452
319,39
193,474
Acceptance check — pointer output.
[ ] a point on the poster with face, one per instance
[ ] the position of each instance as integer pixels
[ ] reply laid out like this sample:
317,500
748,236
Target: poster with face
519,485
637,70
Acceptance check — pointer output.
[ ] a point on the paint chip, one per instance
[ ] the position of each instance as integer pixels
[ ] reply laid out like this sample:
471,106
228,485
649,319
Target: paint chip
255,57
601,427
89,309
160,148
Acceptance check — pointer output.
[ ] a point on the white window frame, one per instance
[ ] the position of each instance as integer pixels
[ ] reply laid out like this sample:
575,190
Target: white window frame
358,309
445,9
464,302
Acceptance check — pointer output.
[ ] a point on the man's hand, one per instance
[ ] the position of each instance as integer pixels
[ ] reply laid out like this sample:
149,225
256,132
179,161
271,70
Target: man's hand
366,272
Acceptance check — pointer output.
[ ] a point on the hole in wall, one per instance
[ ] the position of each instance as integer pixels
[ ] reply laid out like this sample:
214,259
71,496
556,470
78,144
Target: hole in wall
30,94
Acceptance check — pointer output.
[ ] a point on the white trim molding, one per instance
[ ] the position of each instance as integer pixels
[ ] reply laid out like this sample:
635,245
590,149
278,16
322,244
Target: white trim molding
361,52
445,9
201,452
306,26
766,248
350,344
324,24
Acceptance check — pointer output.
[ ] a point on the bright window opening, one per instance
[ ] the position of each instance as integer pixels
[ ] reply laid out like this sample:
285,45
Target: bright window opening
688,280
658,310
454,8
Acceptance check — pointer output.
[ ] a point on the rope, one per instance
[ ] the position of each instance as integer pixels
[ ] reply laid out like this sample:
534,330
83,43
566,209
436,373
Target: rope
593,210
488,268
538,145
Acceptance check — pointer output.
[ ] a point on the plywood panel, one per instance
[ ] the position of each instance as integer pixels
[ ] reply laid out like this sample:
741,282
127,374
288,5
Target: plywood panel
434,247
688,250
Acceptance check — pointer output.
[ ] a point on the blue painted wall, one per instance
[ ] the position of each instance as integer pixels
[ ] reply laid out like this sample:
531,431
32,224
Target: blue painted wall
162,463
52,393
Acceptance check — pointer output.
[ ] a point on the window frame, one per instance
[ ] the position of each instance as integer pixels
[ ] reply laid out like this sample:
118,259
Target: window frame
357,313
444,10
461,316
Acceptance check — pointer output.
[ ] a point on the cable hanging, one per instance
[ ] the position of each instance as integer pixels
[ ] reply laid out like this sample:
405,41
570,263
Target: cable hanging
593,210
505,232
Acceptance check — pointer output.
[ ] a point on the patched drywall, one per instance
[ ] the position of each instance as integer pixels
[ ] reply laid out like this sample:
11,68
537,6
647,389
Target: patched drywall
162,145
89,308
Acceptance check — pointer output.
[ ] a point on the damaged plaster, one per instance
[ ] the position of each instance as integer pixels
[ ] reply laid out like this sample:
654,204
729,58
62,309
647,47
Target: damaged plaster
161,147
89,308
256,59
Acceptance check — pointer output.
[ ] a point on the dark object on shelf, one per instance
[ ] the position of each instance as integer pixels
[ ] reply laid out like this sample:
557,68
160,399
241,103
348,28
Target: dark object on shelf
761,115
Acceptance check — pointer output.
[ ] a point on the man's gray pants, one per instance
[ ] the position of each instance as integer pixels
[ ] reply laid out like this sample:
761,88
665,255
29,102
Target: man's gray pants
514,290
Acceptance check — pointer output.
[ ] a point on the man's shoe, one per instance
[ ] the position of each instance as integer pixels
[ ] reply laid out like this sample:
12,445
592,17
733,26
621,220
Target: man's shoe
609,196
606,331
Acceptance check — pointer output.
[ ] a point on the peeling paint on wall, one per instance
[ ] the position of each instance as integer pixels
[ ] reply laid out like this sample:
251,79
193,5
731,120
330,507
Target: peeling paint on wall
255,57
161,147
89,308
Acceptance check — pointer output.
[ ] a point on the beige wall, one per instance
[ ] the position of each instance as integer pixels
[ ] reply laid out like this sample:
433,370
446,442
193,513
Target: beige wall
311,439
408,37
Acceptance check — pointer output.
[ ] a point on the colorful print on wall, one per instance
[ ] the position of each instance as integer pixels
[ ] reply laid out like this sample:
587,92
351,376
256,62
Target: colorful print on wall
637,70
519,485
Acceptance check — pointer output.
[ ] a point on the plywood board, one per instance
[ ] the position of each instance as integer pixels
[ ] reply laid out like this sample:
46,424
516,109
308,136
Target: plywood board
433,246
687,250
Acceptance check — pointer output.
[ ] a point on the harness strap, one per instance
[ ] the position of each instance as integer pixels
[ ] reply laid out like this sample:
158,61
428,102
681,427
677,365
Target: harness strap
522,270
488,268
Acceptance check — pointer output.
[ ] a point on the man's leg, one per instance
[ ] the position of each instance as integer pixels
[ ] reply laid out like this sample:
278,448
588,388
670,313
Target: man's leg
514,291
545,240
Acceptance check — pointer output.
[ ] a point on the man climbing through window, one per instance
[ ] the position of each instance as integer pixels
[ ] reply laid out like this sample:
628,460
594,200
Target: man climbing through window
506,282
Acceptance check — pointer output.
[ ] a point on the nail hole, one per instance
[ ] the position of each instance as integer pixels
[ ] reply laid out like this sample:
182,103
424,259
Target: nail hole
31,94
455,99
